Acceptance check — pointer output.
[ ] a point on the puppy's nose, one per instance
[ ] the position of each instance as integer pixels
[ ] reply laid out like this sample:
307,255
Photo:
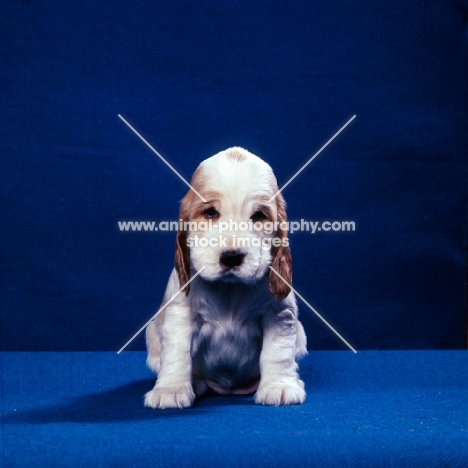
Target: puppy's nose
232,258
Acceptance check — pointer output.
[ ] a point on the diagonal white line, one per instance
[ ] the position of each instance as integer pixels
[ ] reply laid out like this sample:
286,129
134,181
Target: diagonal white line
315,312
160,310
312,158
160,157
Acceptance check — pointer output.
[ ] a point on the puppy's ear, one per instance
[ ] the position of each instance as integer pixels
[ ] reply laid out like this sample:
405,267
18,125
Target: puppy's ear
282,260
182,252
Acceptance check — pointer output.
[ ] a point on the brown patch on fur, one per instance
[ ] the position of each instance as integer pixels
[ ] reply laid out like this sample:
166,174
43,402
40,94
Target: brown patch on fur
182,253
282,260
236,154
190,205
199,206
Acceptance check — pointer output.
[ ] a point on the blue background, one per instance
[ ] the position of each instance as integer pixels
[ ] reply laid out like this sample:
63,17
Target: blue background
195,78
381,409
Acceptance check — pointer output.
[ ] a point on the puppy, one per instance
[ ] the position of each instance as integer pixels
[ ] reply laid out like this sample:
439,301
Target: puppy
234,328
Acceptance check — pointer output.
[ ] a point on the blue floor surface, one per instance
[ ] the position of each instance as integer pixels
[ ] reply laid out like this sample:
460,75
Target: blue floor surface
373,409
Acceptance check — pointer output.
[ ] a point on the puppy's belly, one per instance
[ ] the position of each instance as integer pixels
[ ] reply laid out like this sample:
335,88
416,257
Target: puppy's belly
243,389
226,355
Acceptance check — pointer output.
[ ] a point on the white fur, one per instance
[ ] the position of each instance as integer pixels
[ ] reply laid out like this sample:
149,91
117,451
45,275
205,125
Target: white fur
229,333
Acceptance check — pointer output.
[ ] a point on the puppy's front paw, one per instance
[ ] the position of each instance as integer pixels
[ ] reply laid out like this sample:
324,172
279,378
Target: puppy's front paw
281,393
180,396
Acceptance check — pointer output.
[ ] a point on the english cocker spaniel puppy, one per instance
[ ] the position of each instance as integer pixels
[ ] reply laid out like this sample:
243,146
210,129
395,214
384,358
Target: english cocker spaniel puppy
234,328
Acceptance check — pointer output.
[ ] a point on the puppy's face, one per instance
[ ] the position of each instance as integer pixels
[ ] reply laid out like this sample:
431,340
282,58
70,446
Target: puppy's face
233,233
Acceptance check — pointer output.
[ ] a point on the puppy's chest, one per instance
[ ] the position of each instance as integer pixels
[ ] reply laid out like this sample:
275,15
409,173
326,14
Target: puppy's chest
227,337
226,306
224,320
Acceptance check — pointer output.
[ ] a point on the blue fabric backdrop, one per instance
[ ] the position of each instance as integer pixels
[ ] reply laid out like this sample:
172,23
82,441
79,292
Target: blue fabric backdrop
278,78
381,409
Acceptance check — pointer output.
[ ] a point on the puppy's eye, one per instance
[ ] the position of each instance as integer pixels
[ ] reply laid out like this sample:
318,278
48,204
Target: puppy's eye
211,213
258,216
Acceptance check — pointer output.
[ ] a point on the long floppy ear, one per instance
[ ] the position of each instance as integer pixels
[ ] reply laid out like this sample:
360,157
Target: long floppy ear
182,252
282,260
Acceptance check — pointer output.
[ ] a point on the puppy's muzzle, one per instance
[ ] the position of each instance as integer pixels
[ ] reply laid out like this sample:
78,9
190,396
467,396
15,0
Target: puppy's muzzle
232,258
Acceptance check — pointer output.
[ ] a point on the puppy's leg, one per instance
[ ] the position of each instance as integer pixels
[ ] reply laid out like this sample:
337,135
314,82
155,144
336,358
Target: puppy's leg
153,344
301,341
173,388
279,381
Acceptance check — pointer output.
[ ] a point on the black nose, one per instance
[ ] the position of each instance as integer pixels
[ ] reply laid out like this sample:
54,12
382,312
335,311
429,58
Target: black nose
232,258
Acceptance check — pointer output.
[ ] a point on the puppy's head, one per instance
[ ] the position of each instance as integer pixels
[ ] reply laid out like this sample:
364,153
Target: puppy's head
236,233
